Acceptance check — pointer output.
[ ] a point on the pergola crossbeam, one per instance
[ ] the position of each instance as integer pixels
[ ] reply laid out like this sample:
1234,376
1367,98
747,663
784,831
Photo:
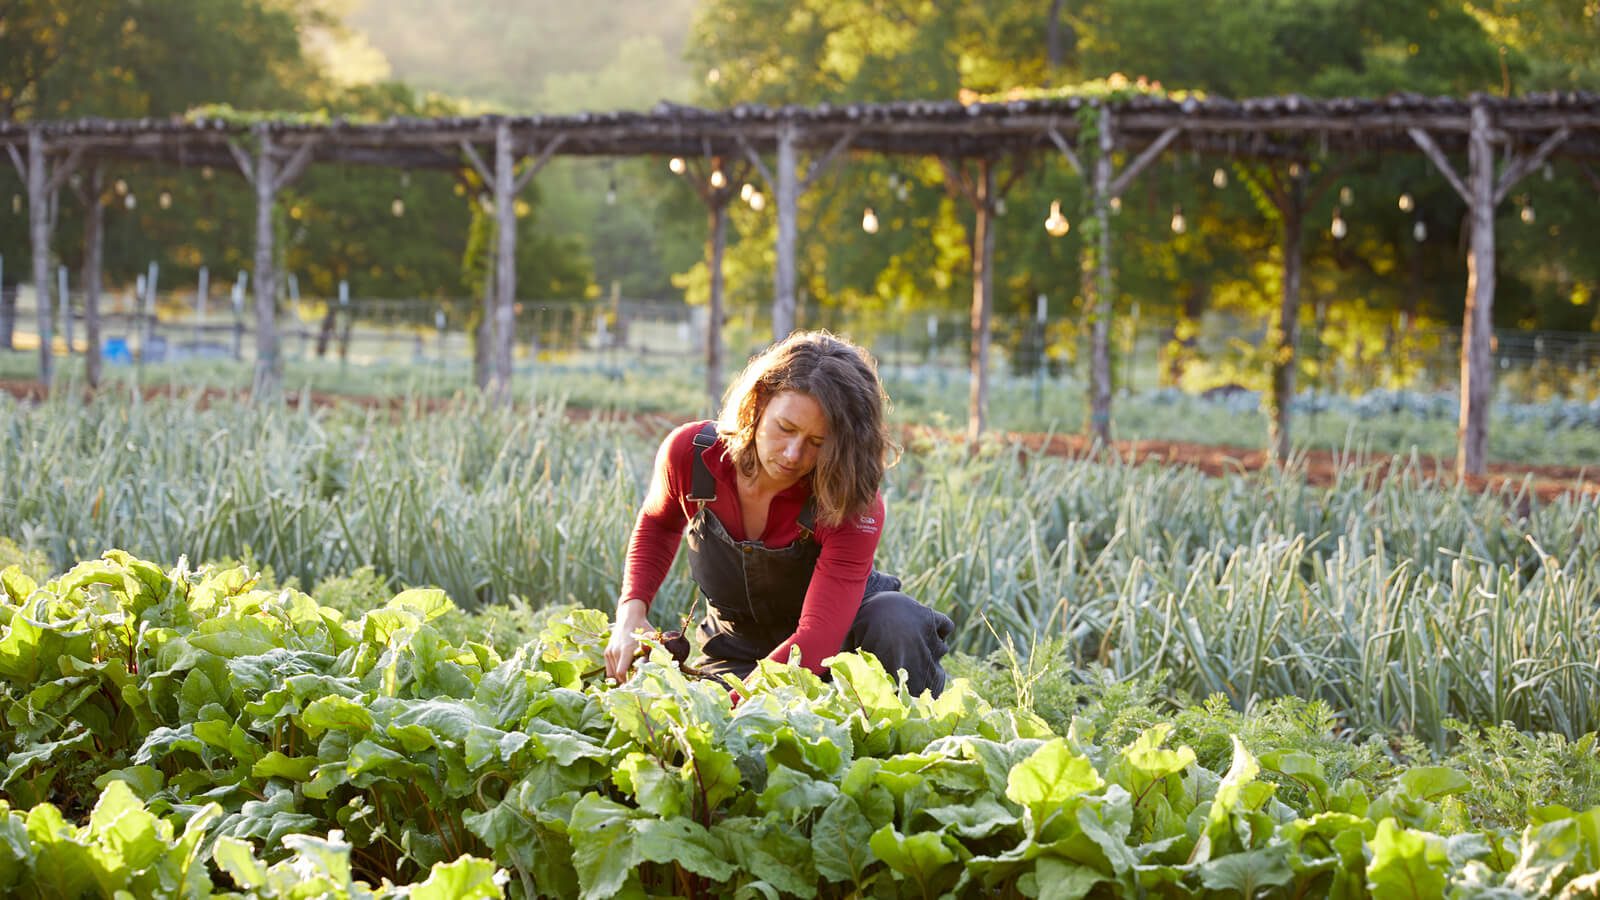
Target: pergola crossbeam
1437,157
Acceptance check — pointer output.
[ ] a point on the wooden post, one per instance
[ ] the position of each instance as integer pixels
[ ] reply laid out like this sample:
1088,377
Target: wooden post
39,232
1284,360
718,243
788,189
1477,364
8,310
1100,299
268,372
94,232
64,302
506,260
982,301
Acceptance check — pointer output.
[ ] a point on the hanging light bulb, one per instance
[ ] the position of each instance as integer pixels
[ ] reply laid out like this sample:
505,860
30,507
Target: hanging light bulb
677,165
869,221
718,180
902,191
1179,223
121,187
1219,178
486,203
1407,204
1116,204
757,201
1527,215
405,179
207,172
1549,172
611,193
16,204
1000,206
1337,228
130,201
1056,224
1294,170
164,199
1419,231
397,206
746,190
894,180
1346,196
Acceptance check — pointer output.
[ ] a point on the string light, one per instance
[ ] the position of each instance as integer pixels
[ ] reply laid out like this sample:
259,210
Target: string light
1219,178
1056,224
1000,206
1527,215
1179,223
757,201
746,191
130,201
718,180
1337,228
869,221
397,206
121,187
1419,231
677,165
164,200
1549,172
207,172
1294,170
16,204
1346,196
486,203
1116,204
1407,204
902,192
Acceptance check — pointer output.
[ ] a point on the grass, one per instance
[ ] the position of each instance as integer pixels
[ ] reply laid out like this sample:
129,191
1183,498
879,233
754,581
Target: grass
1402,607
1539,434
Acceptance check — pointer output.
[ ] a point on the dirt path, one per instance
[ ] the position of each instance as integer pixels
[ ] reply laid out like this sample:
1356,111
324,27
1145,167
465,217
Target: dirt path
1321,467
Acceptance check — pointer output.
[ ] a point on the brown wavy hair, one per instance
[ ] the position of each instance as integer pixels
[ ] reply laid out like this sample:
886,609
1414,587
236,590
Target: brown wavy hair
843,379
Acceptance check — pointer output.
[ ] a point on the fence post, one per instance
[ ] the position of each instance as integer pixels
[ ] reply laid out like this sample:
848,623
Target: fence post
344,337
149,308
65,306
1038,366
200,305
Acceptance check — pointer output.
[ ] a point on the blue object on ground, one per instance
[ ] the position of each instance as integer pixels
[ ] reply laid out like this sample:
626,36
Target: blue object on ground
116,351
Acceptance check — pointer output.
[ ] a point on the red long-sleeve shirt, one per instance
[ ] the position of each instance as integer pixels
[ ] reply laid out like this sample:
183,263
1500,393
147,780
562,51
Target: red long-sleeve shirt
843,565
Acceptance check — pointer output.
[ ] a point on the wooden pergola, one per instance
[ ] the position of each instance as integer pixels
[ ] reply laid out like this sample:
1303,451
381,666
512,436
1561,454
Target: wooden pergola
1108,143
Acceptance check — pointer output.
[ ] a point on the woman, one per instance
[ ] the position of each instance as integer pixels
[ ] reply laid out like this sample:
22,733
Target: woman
779,498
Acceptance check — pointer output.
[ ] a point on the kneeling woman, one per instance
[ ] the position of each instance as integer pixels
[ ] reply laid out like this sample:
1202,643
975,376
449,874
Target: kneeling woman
779,497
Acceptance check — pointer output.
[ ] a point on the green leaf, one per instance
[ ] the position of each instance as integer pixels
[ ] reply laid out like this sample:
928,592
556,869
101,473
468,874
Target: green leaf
335,712
426,604
238,860
772,852
973,819
1303,768
468,878
841,842
602,845
922,858
1053,775
864,684
1406,864
1433,783
277,765
678,840
1060,879
793,795
656,790
1249,872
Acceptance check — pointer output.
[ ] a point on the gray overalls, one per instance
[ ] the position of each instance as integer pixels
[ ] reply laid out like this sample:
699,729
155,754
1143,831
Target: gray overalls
755,593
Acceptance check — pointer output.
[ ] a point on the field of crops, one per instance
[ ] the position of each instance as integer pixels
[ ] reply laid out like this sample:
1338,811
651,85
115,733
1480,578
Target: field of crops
1174,685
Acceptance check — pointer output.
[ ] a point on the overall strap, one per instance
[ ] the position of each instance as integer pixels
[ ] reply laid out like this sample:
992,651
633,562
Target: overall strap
703,489
808,516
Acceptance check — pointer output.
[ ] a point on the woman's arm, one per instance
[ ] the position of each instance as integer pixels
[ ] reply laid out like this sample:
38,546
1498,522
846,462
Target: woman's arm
651,547
834,595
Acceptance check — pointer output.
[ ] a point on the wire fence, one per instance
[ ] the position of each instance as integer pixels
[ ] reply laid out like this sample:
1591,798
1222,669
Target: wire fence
137,327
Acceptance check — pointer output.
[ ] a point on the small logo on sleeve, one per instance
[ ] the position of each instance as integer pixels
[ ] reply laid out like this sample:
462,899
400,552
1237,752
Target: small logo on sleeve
867,524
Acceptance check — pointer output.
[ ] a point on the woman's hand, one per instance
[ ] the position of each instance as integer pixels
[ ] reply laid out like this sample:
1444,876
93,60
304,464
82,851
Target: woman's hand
624,644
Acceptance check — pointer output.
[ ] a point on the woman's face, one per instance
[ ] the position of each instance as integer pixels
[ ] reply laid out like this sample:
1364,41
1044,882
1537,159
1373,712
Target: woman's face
789,437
